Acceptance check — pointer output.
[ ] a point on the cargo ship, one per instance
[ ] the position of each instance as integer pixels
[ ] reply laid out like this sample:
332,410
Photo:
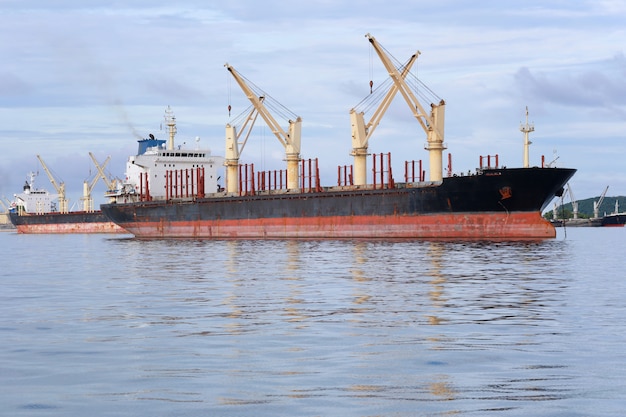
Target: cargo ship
63,223
615,219
35,211
492,203
610,220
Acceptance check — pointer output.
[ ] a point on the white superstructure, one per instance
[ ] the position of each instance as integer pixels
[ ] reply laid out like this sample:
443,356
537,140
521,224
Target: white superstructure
162,171
33,200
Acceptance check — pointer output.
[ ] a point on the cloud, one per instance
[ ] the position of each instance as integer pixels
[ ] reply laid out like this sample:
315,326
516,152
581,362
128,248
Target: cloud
601,87
13,88
90,76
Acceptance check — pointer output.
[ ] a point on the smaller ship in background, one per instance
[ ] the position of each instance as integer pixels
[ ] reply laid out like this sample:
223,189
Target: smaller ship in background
36,210
615,219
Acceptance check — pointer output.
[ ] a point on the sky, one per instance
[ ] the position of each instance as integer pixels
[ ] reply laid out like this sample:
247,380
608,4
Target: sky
94,76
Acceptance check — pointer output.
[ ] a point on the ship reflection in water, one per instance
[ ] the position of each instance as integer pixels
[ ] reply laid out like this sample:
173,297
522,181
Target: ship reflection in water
375,323
312,328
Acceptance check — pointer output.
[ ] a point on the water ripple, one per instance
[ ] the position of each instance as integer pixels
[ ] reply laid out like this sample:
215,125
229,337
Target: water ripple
400,328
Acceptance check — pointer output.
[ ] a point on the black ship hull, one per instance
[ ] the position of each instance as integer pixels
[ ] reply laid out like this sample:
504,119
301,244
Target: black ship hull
63,223
493,204
614,220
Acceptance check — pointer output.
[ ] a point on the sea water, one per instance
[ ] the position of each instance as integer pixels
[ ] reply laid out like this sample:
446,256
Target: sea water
108,325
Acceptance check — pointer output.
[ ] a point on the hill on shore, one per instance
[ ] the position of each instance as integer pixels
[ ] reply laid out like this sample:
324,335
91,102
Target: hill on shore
585,208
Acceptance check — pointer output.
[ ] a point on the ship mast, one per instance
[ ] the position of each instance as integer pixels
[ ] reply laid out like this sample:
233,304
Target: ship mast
170,122
526,129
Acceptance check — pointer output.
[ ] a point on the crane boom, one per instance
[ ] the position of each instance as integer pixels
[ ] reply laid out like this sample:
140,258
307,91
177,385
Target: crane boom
59,187
234,148
361,132
4,205
596,205
290,141
432,124
88,187
574,202
110,184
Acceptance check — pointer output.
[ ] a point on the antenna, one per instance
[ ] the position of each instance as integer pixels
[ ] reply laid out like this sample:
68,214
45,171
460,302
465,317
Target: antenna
170,121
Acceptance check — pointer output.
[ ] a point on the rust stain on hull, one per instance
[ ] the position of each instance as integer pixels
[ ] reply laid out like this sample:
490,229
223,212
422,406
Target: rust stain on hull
524,225
70,228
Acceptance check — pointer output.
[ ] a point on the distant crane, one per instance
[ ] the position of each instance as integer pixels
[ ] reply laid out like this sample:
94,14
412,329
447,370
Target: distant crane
574,202
88,187
111,184
4,205
58,186
616,206
596,205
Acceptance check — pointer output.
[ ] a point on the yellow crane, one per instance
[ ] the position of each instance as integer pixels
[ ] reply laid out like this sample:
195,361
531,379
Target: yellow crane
111,184
597,204
361,132
431,122
58,186
574,201
290,140
88,187
235,146
4,205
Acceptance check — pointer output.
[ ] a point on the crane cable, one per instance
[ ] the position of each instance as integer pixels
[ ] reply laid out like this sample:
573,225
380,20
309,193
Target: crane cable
371,69
228,87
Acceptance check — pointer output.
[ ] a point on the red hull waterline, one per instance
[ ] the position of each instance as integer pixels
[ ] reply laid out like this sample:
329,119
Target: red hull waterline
511,226
70,228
